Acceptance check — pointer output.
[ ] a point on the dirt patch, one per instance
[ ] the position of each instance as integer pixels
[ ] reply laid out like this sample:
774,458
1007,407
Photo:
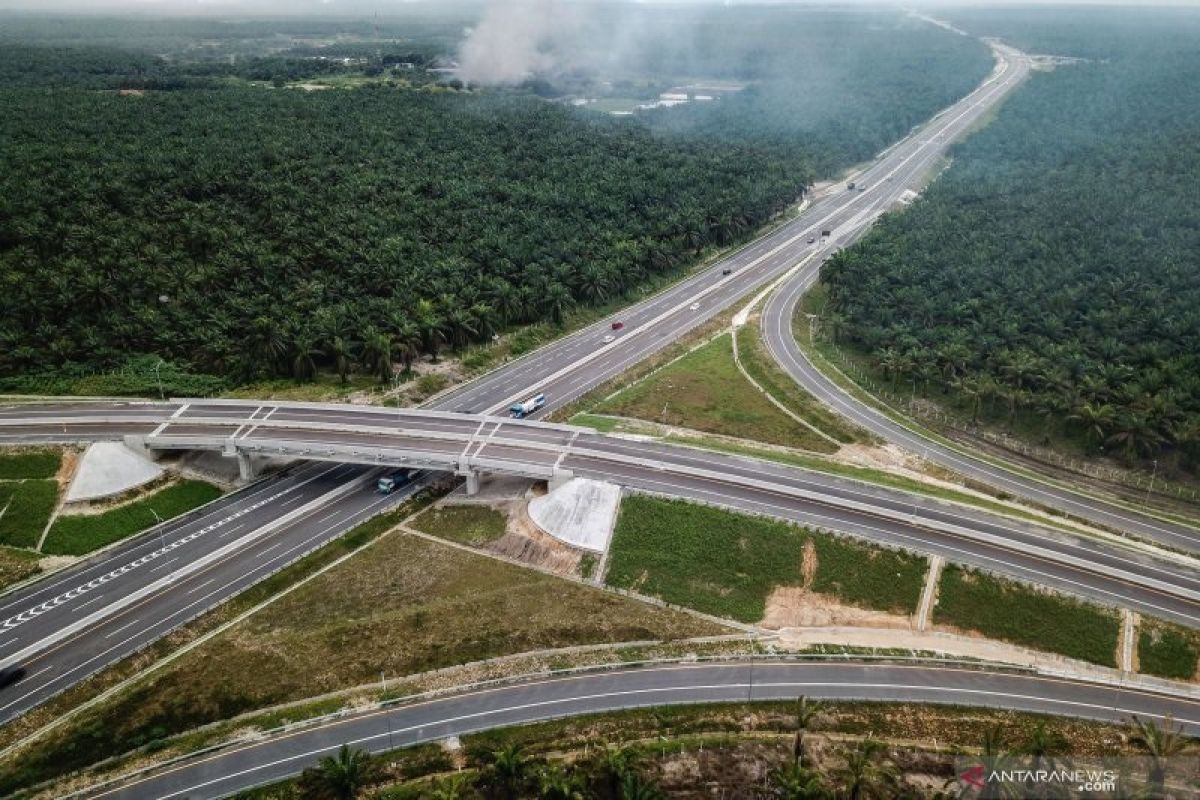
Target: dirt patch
797,607
886,456
525,542
808,564
66,470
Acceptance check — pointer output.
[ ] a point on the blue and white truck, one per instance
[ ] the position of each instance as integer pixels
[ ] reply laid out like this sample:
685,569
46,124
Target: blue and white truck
519,410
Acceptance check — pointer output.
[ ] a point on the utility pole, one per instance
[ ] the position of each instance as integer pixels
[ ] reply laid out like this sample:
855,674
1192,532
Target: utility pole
1150,488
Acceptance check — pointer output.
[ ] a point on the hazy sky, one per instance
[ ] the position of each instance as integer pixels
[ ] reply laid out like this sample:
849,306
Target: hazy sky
383,6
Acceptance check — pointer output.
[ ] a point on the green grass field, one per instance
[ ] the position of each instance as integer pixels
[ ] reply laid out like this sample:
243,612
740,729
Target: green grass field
727,564
39,463
1012,612
29,506
1166,650
16,565
469,525
704,390
76,535
759,365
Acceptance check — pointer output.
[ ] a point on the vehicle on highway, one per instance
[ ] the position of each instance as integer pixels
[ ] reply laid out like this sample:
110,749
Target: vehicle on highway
390,483
726,271
694,306
520,410
812,239
827,233
609,338
10,675
616,326
850,186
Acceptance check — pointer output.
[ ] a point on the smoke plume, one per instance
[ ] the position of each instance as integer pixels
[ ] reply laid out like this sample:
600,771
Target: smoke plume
518,39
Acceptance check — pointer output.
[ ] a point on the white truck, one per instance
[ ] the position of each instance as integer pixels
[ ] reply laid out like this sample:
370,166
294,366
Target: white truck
519,410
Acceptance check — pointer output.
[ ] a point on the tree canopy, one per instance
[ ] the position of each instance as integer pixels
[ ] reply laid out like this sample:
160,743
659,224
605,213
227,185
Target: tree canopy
1055,267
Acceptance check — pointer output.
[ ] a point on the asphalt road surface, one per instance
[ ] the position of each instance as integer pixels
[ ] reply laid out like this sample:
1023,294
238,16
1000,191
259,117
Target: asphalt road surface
80,620
277,757
572,366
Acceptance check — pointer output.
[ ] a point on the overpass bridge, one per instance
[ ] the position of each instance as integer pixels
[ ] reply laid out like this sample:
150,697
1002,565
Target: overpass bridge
1106,570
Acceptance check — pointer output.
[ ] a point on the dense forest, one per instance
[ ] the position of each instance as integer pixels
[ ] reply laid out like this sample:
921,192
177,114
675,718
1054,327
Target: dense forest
1051,276
241,232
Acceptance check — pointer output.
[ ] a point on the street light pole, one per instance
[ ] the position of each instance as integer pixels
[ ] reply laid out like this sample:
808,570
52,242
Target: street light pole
1150,488
158,379
162,542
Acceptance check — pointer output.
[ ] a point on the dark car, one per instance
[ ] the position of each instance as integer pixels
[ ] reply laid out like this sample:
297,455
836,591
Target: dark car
726,271
616,326
812,239
10,675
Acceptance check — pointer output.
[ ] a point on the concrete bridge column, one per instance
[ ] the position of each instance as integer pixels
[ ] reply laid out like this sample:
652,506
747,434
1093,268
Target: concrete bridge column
472,482
247,469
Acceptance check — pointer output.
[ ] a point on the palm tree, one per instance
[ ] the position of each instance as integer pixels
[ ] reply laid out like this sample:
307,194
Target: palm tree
303,351
796,782
611,770
635,787
377,354
341,776
1160,742
806,714
555,783
1135,434
972,389
865,775
509,773
1096,418
451,789
1043,744
341,350
431,326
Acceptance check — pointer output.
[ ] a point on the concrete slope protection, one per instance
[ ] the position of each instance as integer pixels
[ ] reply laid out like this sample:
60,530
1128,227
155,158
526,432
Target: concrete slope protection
1108,571
280,756
79,620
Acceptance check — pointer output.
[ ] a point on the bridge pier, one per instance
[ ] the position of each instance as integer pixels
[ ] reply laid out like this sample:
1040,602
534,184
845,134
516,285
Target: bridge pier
472,483
247,469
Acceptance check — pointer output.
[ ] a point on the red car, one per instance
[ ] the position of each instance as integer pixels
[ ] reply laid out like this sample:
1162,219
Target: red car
616,326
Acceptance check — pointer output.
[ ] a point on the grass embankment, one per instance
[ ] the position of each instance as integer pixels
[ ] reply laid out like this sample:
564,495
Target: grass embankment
16,565
1012,612
403,606
869,475
1166,650
38,463
759,364
28,494
704,390
469,525
727,564
26,510
83,533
